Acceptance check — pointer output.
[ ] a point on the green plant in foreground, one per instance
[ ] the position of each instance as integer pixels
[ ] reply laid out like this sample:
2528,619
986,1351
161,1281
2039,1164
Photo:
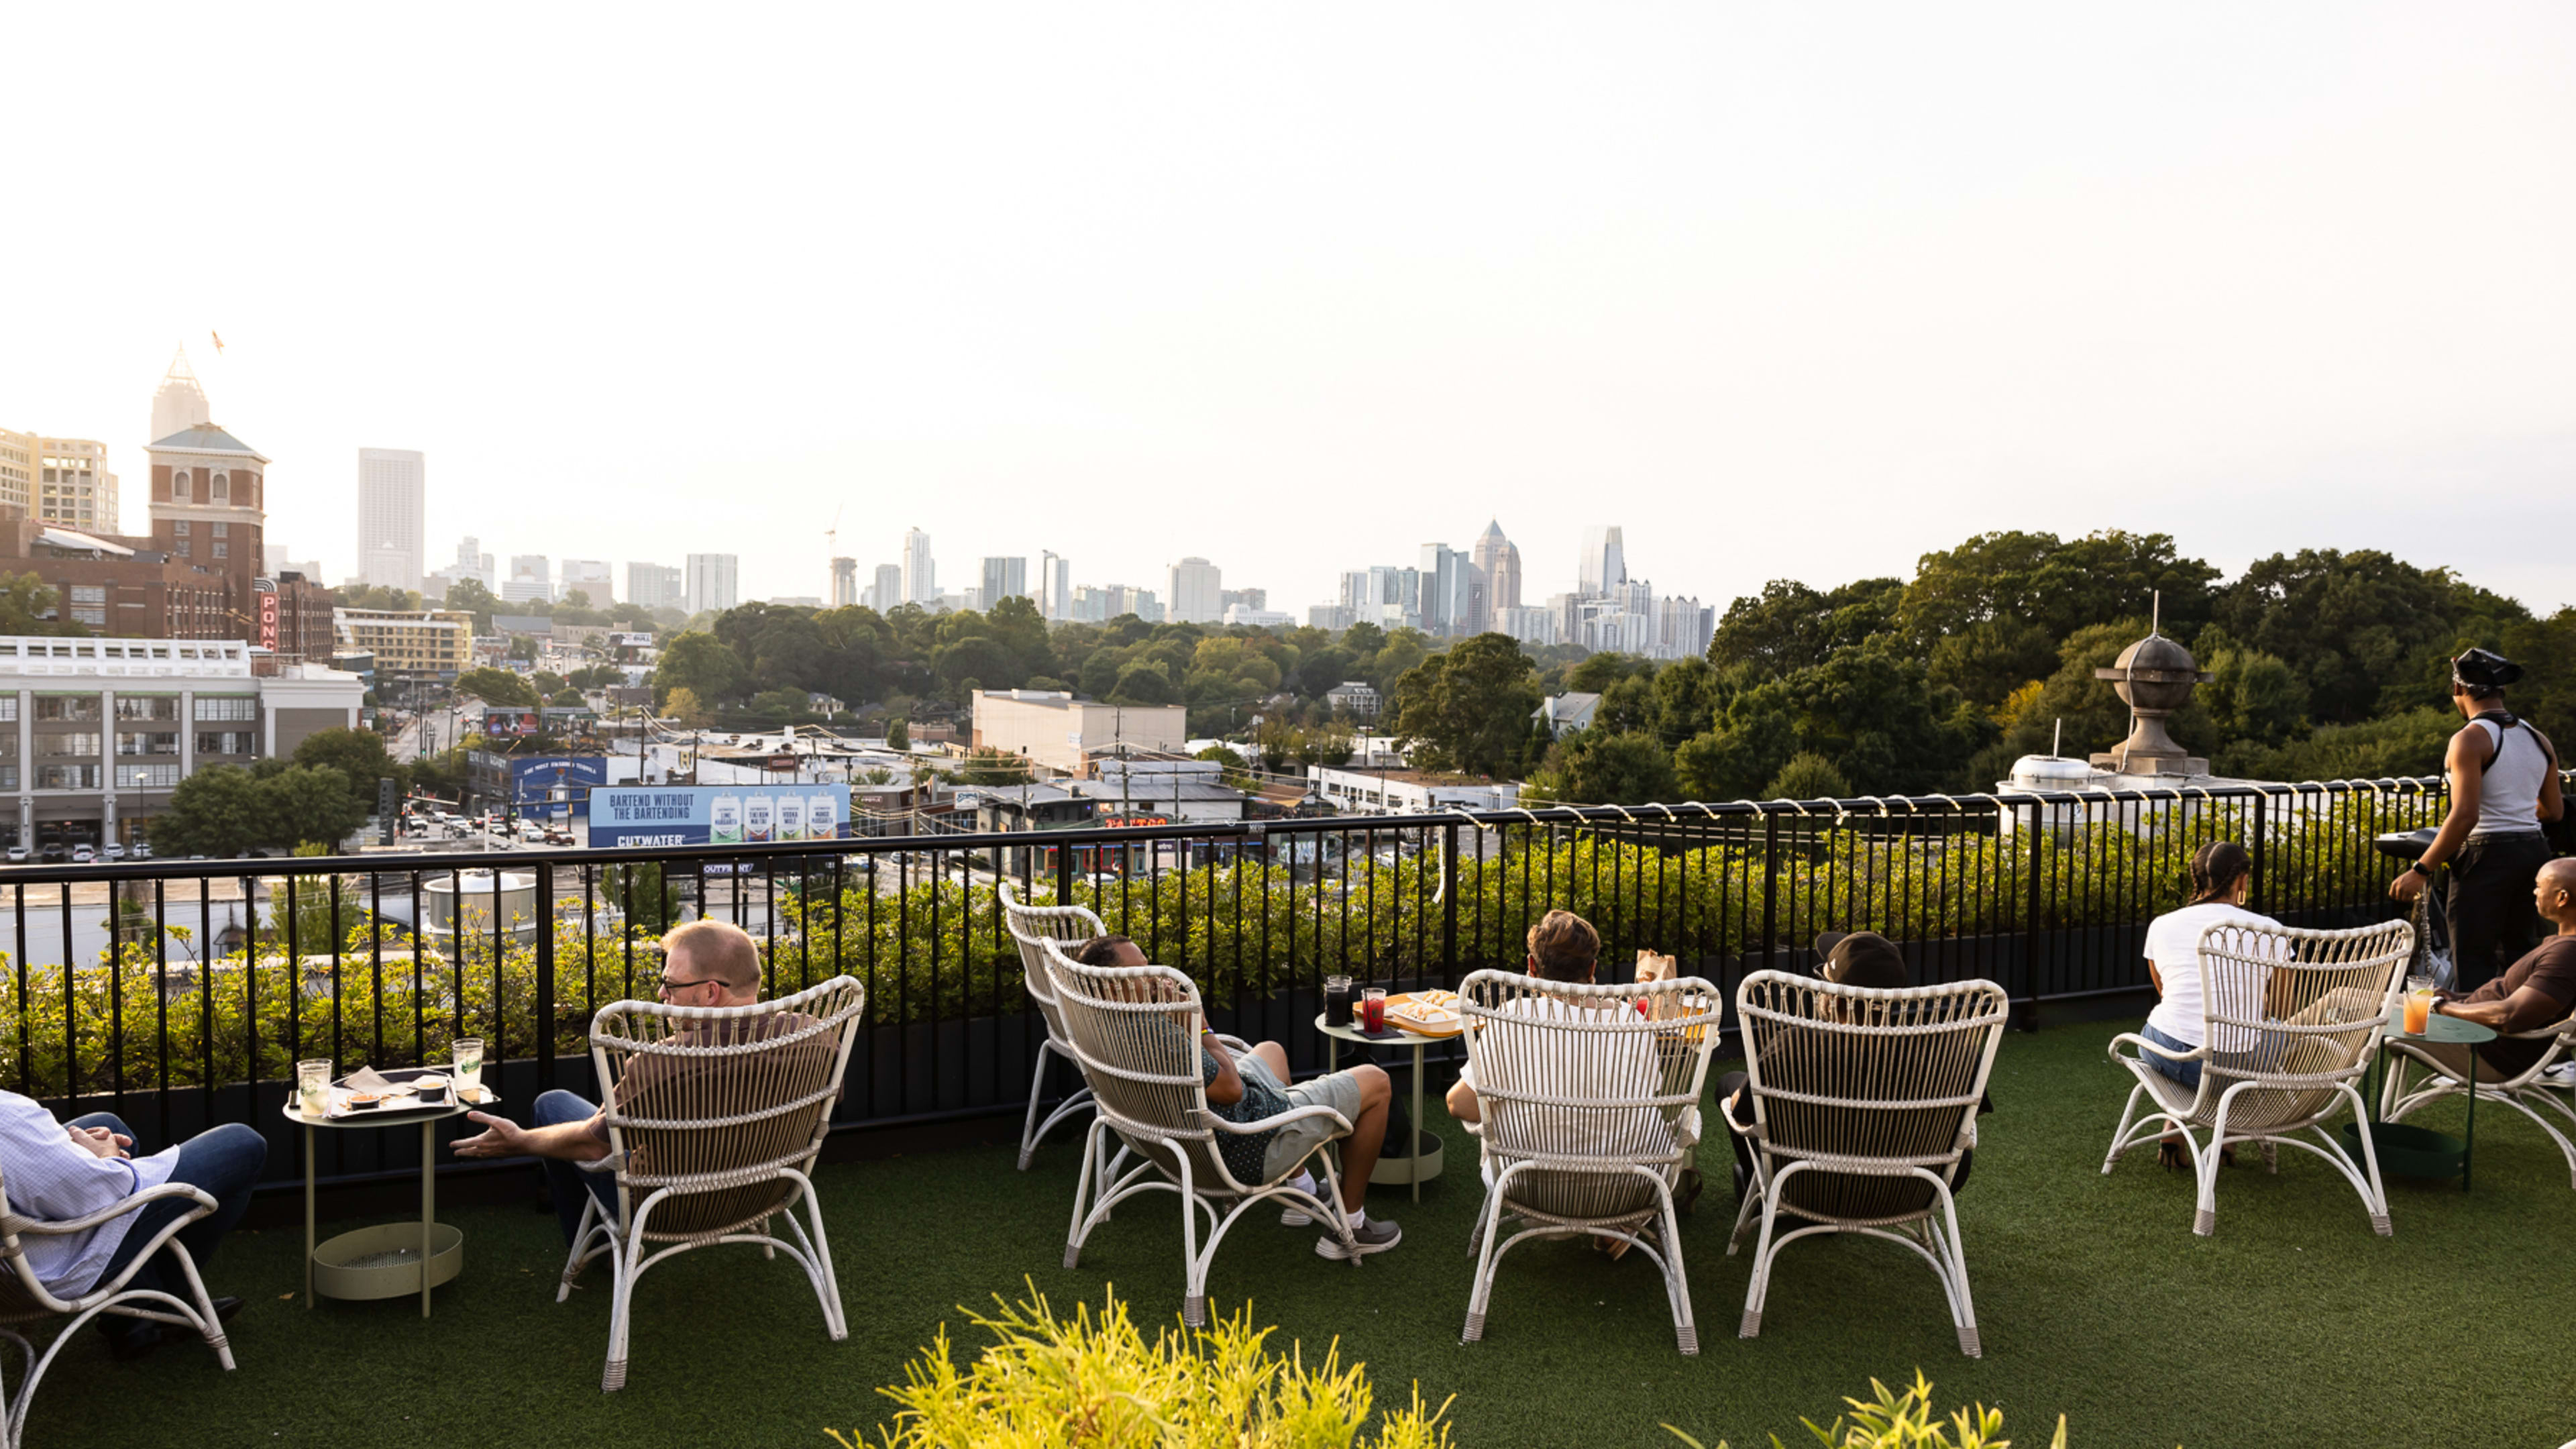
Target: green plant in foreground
1094,1381
1906,1421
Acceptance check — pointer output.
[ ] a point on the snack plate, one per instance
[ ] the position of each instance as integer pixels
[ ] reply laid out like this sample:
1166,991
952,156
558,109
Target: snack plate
1429,1012
400,1099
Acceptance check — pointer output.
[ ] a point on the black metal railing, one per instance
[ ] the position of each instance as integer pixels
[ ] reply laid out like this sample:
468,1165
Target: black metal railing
180,994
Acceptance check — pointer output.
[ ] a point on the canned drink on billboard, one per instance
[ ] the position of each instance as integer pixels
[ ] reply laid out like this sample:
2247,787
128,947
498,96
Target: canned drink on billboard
791,817
821,822
759,819
724,820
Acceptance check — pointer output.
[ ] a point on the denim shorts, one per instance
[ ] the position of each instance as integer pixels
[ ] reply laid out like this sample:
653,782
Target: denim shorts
2187,1073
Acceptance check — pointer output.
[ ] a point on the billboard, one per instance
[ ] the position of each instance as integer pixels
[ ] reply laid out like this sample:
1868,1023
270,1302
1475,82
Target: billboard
511,724
718,814
553,784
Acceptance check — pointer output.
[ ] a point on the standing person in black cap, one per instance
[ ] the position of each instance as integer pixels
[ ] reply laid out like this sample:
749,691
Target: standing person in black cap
1845,958
2504,783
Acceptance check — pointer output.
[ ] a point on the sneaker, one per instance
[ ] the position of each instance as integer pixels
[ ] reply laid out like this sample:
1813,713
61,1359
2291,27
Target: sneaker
2561,1075
1375,1236
1294,1216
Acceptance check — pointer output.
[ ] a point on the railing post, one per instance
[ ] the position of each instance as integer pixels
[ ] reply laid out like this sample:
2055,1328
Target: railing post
2030,923
545,1009
1449,910
1064,875
1770,889
2255,900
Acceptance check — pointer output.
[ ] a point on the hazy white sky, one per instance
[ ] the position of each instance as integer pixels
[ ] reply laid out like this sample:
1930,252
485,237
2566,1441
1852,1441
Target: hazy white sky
1795,291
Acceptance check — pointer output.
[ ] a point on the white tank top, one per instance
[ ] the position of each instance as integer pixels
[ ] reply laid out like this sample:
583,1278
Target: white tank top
2509,791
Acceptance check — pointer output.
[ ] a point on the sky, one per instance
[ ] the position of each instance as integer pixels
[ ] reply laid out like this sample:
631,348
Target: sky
1784,291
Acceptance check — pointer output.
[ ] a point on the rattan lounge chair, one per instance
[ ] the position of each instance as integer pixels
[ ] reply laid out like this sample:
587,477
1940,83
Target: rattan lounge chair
2289,1019
25,1299
2525,1093
1587,1111
1030,926
1860,1103
715,1115
1135,1031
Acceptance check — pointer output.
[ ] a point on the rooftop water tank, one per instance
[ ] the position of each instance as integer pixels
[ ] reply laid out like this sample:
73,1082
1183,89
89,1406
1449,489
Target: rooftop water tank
2053,773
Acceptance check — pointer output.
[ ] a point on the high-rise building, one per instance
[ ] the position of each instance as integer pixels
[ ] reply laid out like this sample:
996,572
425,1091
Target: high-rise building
655,586
1055,585
1448,590
845,582
596,580
712,583
74,486
1196,590
886,594
393,502
920,574
1355,595
1604,565
1498,563
18,468
1003,578
1257,600
473,563
180,404
531,577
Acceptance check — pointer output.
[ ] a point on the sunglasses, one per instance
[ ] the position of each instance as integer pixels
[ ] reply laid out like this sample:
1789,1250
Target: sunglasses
669,985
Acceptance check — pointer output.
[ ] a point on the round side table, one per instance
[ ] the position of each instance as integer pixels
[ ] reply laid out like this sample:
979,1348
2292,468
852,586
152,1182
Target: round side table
388,1260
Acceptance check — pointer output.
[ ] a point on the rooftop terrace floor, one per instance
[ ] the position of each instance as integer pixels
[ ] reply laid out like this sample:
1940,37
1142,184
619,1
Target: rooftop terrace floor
2293,1325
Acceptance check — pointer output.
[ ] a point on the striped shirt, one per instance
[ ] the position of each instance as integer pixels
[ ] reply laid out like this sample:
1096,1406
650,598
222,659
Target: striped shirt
49,1177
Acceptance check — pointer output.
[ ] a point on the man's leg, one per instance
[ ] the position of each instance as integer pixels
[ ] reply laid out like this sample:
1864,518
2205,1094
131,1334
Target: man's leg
1368,1134
565,1182
224,1162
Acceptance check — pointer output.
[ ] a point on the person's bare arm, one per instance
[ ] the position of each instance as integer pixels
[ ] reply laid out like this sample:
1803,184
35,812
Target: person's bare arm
2552,804
2156,974
2466,770
1462,1101
501,1137
2526,1010
1227,1089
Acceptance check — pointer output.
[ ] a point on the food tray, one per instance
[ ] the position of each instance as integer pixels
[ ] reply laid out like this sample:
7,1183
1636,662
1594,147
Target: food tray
1431,1012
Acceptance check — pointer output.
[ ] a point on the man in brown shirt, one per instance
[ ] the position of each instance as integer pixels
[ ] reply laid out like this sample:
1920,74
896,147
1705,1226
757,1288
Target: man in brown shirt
2538,990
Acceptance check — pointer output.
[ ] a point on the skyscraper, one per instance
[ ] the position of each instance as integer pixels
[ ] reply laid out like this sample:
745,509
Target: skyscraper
1449,590
180,404
1196,592
531,577
1055,585
887,592
845,582
1004,578
1604,565
920,574
654,586
596,580
393,491
711,583
1498,562
59,480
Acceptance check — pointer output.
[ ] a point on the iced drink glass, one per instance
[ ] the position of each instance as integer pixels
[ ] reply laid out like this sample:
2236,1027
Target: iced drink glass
1373,1009
469,1062
313,1088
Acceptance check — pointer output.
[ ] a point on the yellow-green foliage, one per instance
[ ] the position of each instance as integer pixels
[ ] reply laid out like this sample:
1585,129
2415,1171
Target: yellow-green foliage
1906,1421
1093,1380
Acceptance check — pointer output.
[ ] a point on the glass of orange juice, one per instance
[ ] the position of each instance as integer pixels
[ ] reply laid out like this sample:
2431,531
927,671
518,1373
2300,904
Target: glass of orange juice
2419,1004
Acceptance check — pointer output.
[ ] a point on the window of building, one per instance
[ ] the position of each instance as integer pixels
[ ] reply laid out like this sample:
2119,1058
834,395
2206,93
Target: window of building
146,777
183,548
82,707
8,777
221,549
179,527
147,742
224,707
147,706
8,707
225,742
223,488
223,530
178,485
67,777
8,744
63,745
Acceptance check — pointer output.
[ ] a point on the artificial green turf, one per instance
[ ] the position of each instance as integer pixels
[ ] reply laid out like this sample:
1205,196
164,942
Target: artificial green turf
2295,1325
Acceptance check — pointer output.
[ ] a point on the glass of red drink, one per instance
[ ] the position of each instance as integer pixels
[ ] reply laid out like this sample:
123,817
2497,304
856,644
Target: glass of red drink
1373,1009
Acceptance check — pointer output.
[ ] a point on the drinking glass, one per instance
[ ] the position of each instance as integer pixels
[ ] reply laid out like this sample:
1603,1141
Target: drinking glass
1338,997
1373,1009
313,1088
469,1062
2419,1011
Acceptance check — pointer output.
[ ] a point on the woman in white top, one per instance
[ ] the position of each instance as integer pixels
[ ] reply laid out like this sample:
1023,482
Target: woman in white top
2221,874
2504,783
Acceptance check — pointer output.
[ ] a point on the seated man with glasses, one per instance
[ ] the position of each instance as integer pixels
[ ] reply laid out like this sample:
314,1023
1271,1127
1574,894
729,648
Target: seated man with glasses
704,964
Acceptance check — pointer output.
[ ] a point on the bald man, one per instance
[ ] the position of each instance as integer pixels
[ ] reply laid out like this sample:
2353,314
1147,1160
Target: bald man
704,963
2538,990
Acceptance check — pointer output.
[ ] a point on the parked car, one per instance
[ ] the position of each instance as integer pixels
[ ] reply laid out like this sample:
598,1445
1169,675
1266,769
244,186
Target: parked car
55,851
17,855
113,852
83,855
142,850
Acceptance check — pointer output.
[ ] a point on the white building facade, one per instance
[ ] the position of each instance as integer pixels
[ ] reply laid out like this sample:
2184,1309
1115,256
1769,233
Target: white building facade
1195,592
393,501
713,582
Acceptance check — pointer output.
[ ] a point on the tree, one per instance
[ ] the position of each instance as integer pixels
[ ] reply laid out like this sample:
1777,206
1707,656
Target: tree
569,698
682,704
2058,586
1808,776
1468,707
381,596
898,734
220,810
1592,767
575,599
1145,682
994,767
2365,632
359,756
497,686
468,596
309,806
28,607
523,648
1789,626
596,676
702,664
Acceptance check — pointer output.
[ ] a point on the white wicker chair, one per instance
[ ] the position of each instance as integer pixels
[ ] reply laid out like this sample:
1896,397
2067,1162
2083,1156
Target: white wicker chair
1135,1031
2524,1093
1587,1111
1030,927
1861,1101
25,1299
2289,1019
714,1116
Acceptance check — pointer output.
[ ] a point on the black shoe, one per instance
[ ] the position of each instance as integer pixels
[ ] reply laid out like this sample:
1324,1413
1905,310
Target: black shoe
140,1336
1743,1181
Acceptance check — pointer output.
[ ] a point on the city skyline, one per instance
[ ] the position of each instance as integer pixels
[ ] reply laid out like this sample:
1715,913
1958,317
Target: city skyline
1809,297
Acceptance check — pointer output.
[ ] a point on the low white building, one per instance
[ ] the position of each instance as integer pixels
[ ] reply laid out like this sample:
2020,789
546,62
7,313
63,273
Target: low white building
1408,792
1052,729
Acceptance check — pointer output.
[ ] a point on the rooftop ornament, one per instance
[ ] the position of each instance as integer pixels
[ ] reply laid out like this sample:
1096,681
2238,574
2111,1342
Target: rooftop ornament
2153,677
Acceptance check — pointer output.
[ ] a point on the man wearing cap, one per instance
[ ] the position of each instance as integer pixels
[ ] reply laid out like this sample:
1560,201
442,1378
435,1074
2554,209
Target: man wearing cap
1845,958
2504,783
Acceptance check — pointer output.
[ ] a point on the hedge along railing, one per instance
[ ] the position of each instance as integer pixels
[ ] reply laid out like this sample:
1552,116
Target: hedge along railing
2048,894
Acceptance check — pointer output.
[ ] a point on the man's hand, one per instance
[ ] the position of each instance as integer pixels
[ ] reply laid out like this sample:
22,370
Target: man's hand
2407,886
500,1137
98,1141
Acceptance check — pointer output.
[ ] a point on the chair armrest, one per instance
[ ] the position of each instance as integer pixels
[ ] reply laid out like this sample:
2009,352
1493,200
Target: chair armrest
1279,1120
1234,1045
613,1162
32,1227
2197,1054
1741,1129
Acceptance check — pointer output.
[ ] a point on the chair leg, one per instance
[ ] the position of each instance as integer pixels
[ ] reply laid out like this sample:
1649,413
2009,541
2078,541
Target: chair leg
1956,1270
1489,1228
836,1320
1755,1291
1029,1124
2120,1134
2204,1170
212,1326
574,1261
2376,1200
1676,1282
1194,1273
613,1376
1082,1190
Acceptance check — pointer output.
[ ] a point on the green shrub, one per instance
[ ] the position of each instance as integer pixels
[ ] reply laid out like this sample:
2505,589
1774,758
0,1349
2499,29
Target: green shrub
1094,1381
1906,1421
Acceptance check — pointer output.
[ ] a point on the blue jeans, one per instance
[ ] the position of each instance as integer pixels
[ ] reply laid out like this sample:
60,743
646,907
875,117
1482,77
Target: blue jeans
565,1181
226,1162
2187,1073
